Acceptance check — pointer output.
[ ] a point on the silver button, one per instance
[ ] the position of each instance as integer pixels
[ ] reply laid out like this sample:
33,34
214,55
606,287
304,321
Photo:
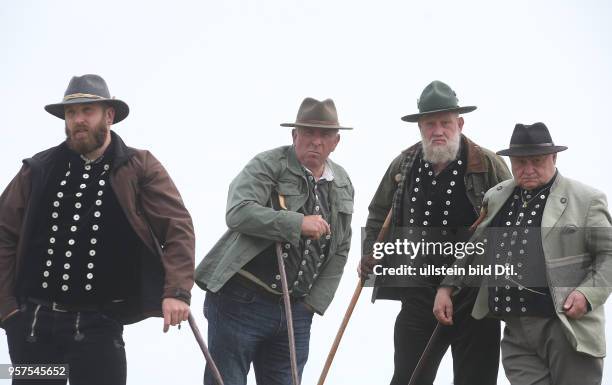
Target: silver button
79,194
413,199
452,183
496,299
54,227
85,176
100,193
50,251
51,240
82,186
87,167
65,277
277,277
273,286
88,287
97,214
89,275
300,272
306,252
60,194
66,266
416,189
90,265
78,205
284,255
295,283
411,220
49,263
68,173
76,217
448,203
459,162
64,287
314,276
426,212
428,203
430,173
287,245
54,215
303,263
308,241
95,227
328,236
56,204
68,254
45,285
444,222
45,273
93,241
316,208
433,182
508,309
449,191
71,242
73,228
98,202
102,183
106,167
455,172
424,223
322,256
92,253
508,298
418,179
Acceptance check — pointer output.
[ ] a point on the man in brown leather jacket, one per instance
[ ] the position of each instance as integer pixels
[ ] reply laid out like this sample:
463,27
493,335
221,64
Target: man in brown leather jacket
93,235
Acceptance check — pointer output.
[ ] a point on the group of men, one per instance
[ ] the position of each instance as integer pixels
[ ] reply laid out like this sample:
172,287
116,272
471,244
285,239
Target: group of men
94,235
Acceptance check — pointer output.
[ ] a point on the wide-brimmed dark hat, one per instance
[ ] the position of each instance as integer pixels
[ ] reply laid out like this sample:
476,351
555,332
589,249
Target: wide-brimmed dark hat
313,113
437,97
88,89
531,140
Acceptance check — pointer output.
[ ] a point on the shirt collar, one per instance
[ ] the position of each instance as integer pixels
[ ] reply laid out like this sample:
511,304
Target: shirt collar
327,175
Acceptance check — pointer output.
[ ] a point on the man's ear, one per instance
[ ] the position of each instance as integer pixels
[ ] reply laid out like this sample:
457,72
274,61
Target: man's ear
109,115
460,122
294,134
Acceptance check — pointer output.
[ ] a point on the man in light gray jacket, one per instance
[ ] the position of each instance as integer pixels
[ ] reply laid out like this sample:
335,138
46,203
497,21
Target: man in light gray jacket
554,237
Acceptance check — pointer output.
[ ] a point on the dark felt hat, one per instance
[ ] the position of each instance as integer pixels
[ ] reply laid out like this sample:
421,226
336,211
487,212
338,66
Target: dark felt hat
88,89
437,97
313,113
531,140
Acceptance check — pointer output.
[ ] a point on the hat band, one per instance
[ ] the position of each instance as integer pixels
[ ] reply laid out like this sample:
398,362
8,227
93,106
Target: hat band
324,122
532,145
79,95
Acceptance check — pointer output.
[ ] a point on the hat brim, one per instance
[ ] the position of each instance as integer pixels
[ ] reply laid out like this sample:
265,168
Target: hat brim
121,108
413,118
531,150
314,125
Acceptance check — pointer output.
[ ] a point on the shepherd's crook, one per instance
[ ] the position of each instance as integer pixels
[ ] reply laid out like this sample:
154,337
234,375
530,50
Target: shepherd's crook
209,359
349,311
288,315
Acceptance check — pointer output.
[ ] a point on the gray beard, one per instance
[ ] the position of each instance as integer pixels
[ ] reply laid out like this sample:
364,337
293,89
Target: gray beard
441,154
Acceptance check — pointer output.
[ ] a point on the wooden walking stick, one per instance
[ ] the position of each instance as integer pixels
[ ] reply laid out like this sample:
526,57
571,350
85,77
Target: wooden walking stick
285,287
349,311
207,356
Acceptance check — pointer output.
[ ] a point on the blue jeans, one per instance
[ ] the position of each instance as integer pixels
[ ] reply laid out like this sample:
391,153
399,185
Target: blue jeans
246,326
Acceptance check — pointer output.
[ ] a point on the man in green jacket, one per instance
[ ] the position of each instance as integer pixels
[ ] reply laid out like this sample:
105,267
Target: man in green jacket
244,305
434,187
556,236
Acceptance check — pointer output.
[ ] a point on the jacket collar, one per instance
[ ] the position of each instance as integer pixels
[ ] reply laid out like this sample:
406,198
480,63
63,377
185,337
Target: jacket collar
294,165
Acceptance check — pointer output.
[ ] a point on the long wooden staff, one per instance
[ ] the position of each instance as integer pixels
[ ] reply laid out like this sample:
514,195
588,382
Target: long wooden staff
285,288
209,359
349,311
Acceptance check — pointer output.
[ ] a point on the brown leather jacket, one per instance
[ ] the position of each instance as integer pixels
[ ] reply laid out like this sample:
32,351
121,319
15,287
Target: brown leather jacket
152,205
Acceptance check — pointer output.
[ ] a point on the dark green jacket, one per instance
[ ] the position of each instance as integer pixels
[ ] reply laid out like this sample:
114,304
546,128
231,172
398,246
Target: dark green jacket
253,225
484,170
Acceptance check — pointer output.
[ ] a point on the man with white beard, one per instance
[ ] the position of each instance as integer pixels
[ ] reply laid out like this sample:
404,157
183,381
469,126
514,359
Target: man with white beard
431,190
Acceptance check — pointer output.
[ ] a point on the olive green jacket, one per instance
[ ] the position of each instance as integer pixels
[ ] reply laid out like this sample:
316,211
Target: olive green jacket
577,244
484,170
253,225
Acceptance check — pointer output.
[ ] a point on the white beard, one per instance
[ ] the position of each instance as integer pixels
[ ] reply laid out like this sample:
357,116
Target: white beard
438,154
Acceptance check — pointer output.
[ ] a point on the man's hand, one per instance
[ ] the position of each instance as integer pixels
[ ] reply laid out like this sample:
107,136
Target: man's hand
443,306
366,266
314,227
575,305
174,311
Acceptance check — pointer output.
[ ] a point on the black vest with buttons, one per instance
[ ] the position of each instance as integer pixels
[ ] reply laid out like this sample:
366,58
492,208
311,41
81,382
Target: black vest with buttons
84,251
517,241
302,264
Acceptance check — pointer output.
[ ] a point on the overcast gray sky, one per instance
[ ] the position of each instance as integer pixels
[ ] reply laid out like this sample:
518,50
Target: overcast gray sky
208,82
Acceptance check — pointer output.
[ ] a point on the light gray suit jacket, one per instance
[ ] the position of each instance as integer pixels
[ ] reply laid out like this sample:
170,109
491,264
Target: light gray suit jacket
577,243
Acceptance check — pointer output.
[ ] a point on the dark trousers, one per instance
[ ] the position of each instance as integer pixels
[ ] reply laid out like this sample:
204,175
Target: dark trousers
474,343
244,327
90,343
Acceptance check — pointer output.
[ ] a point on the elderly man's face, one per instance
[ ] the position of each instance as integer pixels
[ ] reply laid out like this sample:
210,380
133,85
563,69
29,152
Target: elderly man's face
313,146
531,172
441,136
87,126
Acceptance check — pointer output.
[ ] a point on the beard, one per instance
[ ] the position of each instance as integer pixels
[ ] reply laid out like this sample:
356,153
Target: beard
92,141
446,153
